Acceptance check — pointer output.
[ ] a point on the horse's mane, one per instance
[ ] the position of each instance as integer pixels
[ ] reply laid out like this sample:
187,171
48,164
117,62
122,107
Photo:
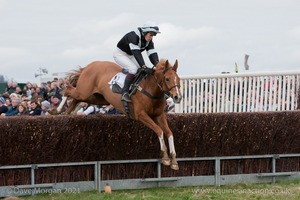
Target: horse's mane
73,76
161,64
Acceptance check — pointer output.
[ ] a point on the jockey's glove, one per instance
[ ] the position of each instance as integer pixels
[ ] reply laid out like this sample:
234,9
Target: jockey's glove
147,69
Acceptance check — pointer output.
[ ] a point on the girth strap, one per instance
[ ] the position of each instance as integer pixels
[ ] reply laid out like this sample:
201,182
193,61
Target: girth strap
127,109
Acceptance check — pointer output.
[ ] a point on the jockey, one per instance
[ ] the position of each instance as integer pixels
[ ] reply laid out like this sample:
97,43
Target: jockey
129,50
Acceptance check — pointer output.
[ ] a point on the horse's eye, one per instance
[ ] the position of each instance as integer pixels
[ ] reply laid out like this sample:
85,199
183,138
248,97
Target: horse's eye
167,79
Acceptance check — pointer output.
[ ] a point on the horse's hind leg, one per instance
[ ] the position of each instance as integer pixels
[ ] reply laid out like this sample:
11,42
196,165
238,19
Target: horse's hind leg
72,106
97,99
72,92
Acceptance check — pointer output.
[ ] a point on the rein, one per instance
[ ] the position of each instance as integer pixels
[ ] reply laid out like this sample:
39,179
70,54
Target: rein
148,94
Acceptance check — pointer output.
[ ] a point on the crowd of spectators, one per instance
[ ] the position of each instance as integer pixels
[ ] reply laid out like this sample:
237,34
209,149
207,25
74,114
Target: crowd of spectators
35,100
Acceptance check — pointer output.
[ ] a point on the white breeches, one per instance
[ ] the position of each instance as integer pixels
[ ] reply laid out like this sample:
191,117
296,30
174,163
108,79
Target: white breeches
126,61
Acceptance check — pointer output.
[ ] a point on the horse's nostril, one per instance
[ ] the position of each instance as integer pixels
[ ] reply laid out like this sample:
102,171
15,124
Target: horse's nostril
177,98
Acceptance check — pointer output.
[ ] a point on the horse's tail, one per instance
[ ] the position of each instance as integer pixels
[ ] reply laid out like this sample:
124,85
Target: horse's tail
73,76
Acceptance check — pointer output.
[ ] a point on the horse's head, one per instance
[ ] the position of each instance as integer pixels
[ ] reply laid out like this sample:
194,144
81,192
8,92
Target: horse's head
170,79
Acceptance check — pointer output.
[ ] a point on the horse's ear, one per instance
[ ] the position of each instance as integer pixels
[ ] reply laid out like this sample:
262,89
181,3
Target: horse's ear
167,64
175,66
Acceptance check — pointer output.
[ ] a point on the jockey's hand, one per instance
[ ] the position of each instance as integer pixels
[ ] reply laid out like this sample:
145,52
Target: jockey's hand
147,69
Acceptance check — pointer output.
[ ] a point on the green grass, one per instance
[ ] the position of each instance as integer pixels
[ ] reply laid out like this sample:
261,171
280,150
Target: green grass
282,190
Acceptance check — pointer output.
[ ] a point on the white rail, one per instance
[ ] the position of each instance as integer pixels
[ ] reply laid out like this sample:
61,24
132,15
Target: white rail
242,92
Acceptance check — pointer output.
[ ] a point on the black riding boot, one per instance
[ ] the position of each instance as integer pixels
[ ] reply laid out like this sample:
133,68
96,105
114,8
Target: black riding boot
127,83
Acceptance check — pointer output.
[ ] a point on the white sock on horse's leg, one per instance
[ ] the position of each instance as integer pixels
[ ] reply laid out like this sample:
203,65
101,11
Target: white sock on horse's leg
162,142
62,103
171,145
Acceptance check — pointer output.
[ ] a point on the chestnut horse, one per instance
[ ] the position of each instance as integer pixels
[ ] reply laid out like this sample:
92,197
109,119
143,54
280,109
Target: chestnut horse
90,84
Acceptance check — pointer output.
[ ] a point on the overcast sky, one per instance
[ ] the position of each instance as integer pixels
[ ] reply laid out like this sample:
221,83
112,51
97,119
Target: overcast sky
206,36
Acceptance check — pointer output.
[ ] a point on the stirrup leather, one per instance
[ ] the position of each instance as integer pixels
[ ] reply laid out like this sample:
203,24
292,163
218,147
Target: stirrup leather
126,97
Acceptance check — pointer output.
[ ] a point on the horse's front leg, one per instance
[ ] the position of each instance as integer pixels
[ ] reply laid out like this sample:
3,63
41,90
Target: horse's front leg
147,121
164,151
162,122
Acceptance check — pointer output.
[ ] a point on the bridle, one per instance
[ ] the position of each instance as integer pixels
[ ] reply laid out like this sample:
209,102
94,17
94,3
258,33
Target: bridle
163,81
160,85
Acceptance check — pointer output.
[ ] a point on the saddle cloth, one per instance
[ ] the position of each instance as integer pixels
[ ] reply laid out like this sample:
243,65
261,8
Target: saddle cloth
117,82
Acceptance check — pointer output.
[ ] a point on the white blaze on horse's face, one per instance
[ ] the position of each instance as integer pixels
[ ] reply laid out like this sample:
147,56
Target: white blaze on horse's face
177,98
173,83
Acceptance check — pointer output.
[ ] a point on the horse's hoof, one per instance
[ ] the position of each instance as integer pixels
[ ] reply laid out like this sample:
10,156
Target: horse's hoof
166,162
53,112
174,166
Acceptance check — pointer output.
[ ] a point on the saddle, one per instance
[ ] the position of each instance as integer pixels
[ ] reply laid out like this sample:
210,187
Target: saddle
117,82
